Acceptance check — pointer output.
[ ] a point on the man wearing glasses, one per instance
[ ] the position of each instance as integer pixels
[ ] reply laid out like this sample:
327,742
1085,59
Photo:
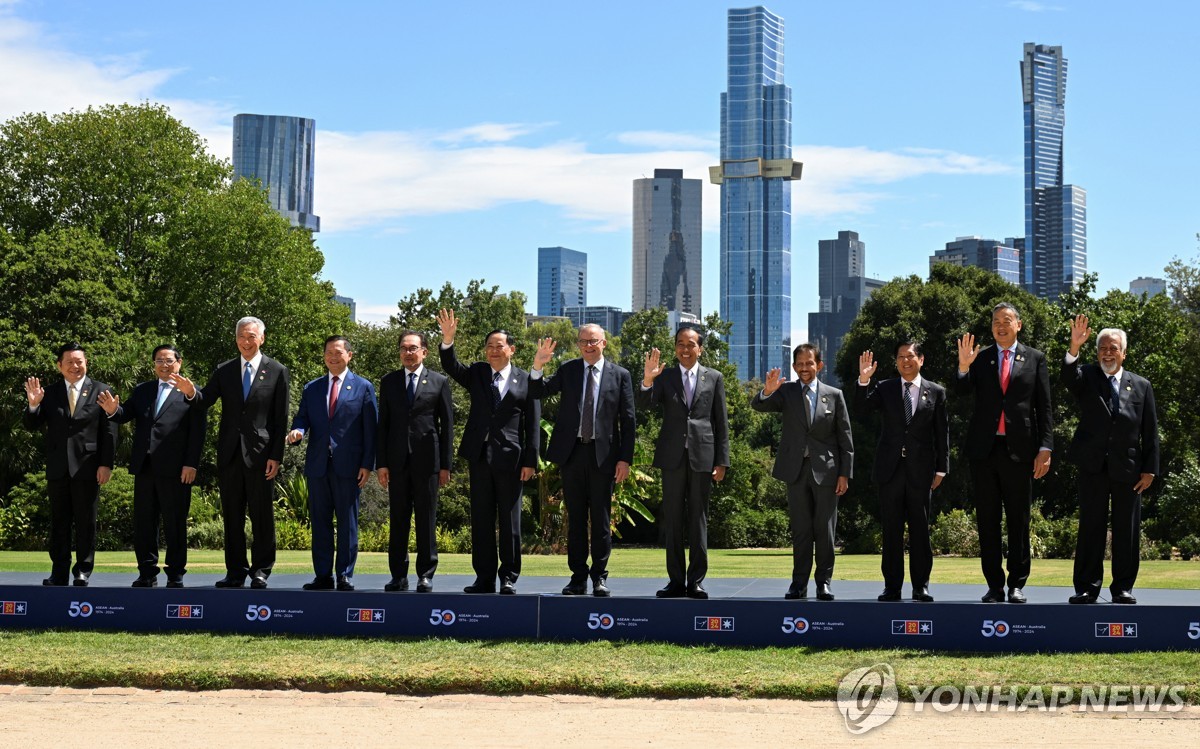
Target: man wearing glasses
167,440
593,445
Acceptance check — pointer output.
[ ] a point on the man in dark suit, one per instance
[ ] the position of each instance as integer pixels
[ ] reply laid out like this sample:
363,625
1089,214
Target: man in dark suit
80,443
692,452
167,441
416,436
1008,442
253,390
912,458
593,445
339,415
1116,449
500,445
815,460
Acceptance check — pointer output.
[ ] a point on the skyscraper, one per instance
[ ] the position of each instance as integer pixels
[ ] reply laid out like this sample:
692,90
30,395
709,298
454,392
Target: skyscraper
1000,258
278,151
562,280
756,199
666,242
1055,214
843,286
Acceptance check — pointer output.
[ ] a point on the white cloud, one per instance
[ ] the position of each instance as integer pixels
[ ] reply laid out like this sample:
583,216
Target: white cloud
488,132
665,140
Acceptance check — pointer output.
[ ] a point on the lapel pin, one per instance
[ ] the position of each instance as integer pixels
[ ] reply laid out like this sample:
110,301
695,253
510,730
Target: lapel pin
424,381
992,362
83,393
1020,357
1127,387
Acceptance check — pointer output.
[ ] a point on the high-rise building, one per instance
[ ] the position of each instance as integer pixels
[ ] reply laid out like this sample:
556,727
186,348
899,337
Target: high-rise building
609,318
278,151
350,303
999,257
1055,214
666,242
562,280
756,197
1148,286
843,286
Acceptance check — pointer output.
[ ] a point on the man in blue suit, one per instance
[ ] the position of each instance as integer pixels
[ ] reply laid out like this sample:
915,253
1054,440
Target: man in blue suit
339,415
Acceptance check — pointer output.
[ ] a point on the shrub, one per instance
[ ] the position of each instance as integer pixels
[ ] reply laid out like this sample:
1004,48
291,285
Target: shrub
1178,504
1052,539
373,537
292,535
207,534
457,541
25,514
750,528
955,533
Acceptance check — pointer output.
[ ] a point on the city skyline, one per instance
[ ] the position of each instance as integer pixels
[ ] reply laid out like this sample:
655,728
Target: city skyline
520,152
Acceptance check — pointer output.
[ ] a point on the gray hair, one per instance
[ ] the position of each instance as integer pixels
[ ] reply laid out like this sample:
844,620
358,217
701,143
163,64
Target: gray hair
1006,305
595,326
1113,333
262,329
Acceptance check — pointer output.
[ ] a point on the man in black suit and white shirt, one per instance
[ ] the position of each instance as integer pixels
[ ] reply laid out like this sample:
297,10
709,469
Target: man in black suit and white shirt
911,460
167,441
80,443
593,444
1116,449
414,444
692,452
500,445
1009,441
815,460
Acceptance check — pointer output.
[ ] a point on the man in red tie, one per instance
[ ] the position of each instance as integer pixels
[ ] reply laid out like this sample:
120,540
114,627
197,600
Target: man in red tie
1008,443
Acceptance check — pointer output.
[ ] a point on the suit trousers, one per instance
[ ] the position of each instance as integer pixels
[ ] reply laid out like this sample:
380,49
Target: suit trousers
685,506
169,499
245,490
1002,483
495,500
903,500
73,502
813,512
332,496
587,494
1095,491
412,493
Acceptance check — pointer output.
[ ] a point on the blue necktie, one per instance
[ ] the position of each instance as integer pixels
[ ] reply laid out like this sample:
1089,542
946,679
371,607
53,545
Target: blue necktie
1115,395
495,389
247,378
412,387
164,389
908,403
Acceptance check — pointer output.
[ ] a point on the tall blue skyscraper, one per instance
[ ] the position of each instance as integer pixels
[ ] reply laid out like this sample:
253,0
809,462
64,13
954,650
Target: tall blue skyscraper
278,151
756,199
562,280
1055,214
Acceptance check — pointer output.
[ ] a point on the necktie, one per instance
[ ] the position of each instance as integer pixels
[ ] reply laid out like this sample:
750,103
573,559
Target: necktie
587,429
247,378
908,403
412,387
71,398
495,389
808,401
1005,371
1114,396
164,388
688,388
333,395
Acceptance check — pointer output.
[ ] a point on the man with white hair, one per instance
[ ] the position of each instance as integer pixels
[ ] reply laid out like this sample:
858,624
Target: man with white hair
1116,449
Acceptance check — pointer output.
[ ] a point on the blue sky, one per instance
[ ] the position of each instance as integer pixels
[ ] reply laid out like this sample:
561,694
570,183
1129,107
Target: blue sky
456,138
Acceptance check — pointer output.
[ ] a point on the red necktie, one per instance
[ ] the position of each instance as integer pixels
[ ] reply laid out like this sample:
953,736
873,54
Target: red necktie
333,391
1005,371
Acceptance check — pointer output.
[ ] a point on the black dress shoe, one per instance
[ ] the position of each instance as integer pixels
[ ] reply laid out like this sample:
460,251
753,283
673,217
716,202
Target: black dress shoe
258,581
994,595
1015,595
575,589
1123,596
478,587
920,594
396,584
1082,598
320,582
229,581
796,592
80,581
174,583
823,592
697,591
54,581
672,591
889,595
424,585
508,588
146,582
344,584
600,590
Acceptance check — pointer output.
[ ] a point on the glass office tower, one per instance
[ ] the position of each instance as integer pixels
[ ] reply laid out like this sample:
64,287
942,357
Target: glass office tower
562,280
278,151
666,242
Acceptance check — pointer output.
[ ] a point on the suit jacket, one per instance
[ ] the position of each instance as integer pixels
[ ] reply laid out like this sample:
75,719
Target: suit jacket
505,436
923,444
171,439
349,437
706,423
615,421
417,437
1028,421
252,429
1125,444
828,439
75,445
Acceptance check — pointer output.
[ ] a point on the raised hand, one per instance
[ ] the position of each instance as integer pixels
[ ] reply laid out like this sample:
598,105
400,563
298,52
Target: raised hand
1080,333
449,326
108,402
967,351
652,368
184,385
34,392
545,351
774,381
866,367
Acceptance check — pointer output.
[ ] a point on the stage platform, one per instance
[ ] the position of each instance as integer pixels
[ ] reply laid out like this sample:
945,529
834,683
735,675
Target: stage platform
740,612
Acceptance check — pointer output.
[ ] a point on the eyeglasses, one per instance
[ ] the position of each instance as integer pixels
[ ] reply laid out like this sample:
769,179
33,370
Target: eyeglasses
164,362
410,349
590,341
